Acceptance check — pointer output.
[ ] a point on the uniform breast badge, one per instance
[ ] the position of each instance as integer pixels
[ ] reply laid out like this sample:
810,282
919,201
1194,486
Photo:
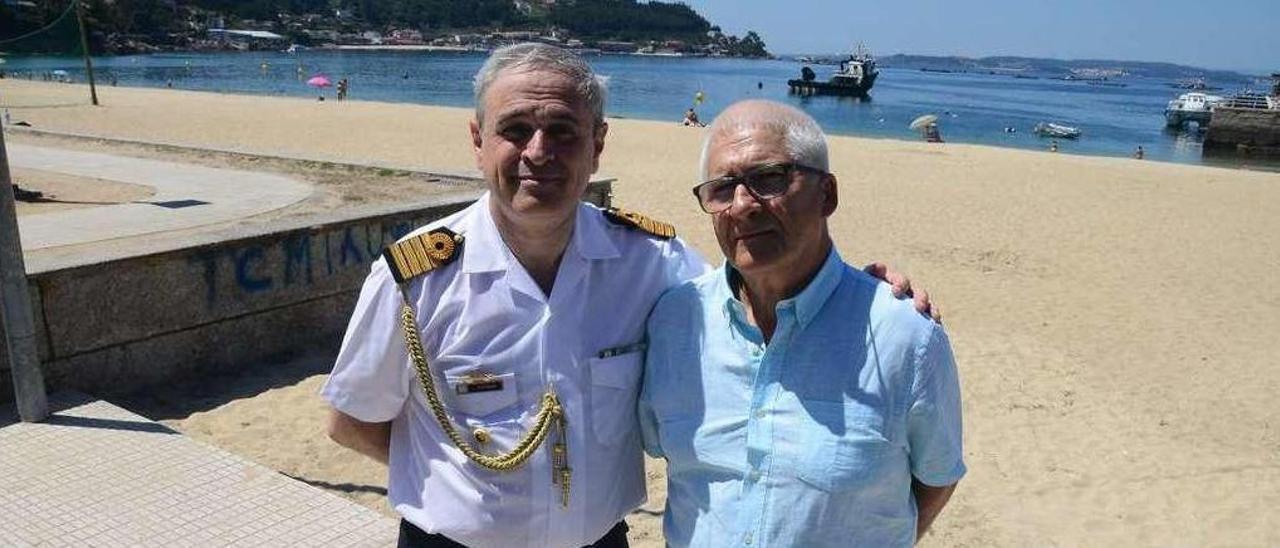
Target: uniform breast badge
416,256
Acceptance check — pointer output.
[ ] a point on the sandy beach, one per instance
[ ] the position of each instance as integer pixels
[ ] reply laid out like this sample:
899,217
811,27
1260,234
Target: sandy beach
1114,320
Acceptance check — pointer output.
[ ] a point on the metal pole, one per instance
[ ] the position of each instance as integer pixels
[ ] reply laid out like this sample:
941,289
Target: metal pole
84,46
15,307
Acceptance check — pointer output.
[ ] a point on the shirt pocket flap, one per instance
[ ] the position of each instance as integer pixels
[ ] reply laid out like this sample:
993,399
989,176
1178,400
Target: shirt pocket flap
621,371
478,403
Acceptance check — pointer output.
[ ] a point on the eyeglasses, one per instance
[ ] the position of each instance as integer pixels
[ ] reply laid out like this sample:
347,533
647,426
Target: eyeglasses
763,183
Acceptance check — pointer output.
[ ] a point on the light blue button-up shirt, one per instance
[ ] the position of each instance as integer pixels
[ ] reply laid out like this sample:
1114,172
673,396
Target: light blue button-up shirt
812,439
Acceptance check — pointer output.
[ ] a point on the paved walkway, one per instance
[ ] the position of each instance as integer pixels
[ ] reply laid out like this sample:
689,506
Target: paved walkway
97,475
186,196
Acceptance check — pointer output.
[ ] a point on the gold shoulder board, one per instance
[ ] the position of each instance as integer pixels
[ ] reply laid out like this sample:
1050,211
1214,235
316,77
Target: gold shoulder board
632,219
413,257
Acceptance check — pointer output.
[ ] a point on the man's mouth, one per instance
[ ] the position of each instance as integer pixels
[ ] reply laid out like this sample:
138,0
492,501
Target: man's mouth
753,234
540,179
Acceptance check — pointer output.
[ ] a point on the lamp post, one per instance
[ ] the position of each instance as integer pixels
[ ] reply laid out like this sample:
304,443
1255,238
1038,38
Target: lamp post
84,47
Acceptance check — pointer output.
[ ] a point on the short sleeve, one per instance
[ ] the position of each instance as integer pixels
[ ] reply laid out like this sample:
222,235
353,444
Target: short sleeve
934,426
370,379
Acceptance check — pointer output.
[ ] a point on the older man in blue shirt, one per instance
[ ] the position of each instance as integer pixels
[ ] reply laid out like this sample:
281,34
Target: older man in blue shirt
795,400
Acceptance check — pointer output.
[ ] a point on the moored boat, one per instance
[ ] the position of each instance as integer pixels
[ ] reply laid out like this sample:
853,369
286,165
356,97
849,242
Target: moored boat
1191,107
854,78
1057,131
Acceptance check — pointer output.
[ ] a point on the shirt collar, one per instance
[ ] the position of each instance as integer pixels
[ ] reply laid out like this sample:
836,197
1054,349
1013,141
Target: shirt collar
808,303
590,237
485,251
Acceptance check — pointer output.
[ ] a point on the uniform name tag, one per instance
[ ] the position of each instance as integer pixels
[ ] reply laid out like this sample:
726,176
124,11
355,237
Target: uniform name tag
479,383
620,350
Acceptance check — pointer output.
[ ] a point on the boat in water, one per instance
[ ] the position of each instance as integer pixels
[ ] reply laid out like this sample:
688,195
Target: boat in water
1191,107
1057,131
854,78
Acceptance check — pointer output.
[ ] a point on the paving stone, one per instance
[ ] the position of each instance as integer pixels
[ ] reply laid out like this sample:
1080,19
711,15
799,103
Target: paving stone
98,475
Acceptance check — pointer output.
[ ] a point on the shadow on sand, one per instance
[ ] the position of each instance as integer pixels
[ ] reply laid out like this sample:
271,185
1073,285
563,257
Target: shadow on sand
181,399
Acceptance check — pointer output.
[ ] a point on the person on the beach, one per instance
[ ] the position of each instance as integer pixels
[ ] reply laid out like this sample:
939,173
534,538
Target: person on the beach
691,118
1139,154
795,400
506,410
932,134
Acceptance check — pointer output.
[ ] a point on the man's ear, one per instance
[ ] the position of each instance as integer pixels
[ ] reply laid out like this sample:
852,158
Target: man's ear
476,141
601,131
830,195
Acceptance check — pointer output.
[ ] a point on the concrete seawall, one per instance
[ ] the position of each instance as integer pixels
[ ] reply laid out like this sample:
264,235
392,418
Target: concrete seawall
117,321
1249,131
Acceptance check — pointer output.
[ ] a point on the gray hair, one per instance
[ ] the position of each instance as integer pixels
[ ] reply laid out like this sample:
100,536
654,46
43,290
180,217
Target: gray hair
542,57
806,144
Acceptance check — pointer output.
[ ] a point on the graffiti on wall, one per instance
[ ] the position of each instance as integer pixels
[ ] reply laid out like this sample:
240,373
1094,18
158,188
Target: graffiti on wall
303,257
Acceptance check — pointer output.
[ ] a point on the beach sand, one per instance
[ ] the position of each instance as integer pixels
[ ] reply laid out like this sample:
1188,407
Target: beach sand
1114,320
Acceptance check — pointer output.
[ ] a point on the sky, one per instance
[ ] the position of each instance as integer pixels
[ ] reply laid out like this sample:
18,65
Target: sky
1239,35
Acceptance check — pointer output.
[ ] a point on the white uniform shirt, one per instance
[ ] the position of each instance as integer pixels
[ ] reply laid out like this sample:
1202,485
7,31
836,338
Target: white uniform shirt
484,313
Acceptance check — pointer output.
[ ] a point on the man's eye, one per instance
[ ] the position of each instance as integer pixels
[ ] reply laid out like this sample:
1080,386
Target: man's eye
562,132
723,188
770,180
517,133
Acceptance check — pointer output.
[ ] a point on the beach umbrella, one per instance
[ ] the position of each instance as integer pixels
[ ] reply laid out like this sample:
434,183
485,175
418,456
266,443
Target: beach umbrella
924,121
319,81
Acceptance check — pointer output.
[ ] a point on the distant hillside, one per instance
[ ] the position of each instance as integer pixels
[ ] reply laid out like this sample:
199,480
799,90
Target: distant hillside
1083,68
128,26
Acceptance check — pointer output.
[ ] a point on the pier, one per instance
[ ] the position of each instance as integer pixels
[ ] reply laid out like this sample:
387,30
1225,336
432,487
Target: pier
1247,126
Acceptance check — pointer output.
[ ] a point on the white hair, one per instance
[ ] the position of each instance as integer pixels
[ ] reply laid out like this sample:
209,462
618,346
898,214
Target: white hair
806,144
534,57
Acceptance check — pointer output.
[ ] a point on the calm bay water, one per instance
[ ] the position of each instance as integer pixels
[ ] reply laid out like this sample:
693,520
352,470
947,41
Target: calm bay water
972,108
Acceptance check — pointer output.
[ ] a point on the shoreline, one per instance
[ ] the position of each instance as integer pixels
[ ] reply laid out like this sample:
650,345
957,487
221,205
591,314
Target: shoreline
1222,162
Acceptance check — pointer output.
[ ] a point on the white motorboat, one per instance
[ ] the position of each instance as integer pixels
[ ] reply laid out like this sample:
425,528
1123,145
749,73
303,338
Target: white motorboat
1191,107
1057,131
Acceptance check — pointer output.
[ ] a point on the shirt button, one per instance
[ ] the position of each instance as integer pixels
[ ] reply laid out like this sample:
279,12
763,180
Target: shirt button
756,352
760,413
754,475
746,539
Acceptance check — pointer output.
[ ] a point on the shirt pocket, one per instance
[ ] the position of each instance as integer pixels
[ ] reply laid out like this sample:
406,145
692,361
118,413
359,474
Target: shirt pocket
483,404
846,450
615,385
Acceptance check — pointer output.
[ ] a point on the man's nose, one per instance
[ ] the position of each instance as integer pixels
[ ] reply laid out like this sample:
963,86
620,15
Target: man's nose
538,150
743,200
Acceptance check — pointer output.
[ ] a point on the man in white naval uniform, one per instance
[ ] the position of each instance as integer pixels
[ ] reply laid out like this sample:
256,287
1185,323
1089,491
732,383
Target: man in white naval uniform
544,294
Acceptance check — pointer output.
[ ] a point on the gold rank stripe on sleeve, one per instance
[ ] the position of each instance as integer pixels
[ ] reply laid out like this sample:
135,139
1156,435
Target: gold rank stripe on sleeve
421,254
640,222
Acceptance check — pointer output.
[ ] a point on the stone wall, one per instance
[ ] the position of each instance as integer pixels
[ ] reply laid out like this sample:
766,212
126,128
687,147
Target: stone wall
119,325
1244,130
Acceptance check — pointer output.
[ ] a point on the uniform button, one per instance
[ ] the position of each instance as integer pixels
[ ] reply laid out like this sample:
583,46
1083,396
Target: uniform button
746,539
760,413
754,475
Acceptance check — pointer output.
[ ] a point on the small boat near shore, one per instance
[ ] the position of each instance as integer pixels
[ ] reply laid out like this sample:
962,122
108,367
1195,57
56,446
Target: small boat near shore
1057,131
